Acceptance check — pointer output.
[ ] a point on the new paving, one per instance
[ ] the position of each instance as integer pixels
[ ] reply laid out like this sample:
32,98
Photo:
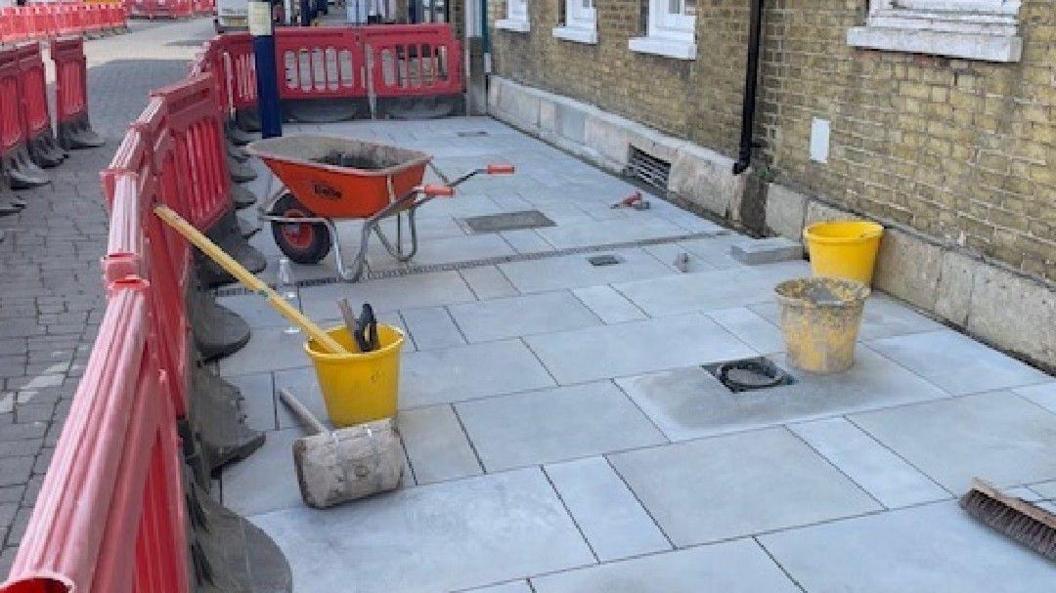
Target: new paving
560,432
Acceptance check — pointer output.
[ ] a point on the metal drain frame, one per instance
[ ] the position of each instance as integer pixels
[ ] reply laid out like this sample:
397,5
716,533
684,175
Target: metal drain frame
607,259
520,220
649,169
781,377
412,269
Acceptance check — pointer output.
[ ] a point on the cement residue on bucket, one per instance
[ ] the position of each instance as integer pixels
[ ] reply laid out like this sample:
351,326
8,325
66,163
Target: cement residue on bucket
822,292
819,321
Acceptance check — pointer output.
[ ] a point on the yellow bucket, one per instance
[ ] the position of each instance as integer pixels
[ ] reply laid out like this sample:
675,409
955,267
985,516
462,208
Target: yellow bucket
844,248
359,387
819,321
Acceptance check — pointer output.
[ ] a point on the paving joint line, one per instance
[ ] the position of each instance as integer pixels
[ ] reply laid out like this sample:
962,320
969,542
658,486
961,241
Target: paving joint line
568,511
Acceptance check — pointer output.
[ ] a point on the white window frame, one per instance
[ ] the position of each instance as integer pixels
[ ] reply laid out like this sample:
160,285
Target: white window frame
985,30
516,17
581,22
670,34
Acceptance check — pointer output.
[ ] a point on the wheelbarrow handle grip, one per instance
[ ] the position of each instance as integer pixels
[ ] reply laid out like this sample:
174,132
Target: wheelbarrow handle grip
500,169
438,191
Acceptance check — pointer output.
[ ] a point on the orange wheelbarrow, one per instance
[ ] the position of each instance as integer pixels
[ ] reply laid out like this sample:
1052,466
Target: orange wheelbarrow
326,178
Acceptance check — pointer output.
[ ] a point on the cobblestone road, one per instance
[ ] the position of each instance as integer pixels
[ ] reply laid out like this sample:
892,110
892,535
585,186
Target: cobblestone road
50,292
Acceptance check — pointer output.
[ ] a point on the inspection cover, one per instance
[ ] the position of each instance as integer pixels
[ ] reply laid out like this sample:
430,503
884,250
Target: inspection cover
604,260
472,134
749,374
508,221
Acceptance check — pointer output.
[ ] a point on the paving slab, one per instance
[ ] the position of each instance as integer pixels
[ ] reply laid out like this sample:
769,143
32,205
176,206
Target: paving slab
389,294
514,587
689,402
705,291
881,473
497,319
610,517
998,436
449,536
436,445
609,305
883,317
487,282
1044,395
255,310
731,567
737,485
935,548
752,328
303,383
269,349
555,424
635,347
444,250
467,372
258,401
526,241
610,231
431,328
574,271
266,480
957,363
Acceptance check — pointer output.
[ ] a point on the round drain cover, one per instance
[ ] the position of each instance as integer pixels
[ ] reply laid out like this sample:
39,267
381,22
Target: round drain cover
743,375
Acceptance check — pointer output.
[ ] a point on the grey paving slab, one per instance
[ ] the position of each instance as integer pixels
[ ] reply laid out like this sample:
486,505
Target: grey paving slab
514,587
751,328
934,548
487,282
732,567
269,349
609,305
450,536
574,271
304,385
635,347
957,363
389,294
884,317
610,517
555,424
526,241
432,327
737,485
255,310
689,403
266,480
467,372
872,466
998,436
258,402
705,291
1044,395
446,250
609,231
436,445
522,316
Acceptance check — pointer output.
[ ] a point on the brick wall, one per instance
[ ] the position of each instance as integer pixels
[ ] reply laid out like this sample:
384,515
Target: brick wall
961,150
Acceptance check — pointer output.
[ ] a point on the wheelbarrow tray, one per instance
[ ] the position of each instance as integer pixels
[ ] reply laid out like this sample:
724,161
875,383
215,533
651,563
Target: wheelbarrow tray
334,191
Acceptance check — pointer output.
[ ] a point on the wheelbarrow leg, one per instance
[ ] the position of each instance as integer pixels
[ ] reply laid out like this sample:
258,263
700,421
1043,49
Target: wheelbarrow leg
357,267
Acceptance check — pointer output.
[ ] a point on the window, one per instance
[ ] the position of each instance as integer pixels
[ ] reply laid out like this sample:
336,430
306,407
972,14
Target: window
670,30
516,17
580,22
974,29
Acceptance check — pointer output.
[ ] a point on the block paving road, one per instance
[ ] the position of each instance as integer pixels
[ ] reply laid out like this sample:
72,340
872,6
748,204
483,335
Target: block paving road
51,297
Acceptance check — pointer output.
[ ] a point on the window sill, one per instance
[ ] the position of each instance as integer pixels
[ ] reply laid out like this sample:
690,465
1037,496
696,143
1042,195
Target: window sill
972,46
670,48
577,34
515,25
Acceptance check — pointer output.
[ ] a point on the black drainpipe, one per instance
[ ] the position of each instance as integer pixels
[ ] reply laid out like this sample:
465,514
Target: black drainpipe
751,76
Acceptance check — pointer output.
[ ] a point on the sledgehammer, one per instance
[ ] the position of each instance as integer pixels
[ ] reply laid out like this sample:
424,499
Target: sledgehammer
346,464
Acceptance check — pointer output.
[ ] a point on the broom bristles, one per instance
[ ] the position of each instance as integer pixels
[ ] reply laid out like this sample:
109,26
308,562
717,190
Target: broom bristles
1017,519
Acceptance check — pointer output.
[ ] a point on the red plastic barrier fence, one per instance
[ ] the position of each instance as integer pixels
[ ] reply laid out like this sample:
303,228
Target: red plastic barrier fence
414,60
151,9
12,128
201,154
320,62
111,514
239,69
48,20
71,88
33,90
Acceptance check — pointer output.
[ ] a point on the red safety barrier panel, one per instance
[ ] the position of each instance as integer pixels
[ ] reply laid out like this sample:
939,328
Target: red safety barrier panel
413,60
71,88
320,62
111,514
240,70
12,128
33,90
201,154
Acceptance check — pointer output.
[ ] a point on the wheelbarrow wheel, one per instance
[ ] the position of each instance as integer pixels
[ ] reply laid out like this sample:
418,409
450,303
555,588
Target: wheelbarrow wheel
304,243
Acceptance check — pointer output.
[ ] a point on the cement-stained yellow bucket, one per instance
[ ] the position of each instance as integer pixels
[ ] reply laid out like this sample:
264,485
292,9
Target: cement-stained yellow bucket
360,386
844,248
820,318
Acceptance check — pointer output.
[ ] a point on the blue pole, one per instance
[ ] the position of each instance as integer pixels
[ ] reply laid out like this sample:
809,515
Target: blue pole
260,28
306,13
